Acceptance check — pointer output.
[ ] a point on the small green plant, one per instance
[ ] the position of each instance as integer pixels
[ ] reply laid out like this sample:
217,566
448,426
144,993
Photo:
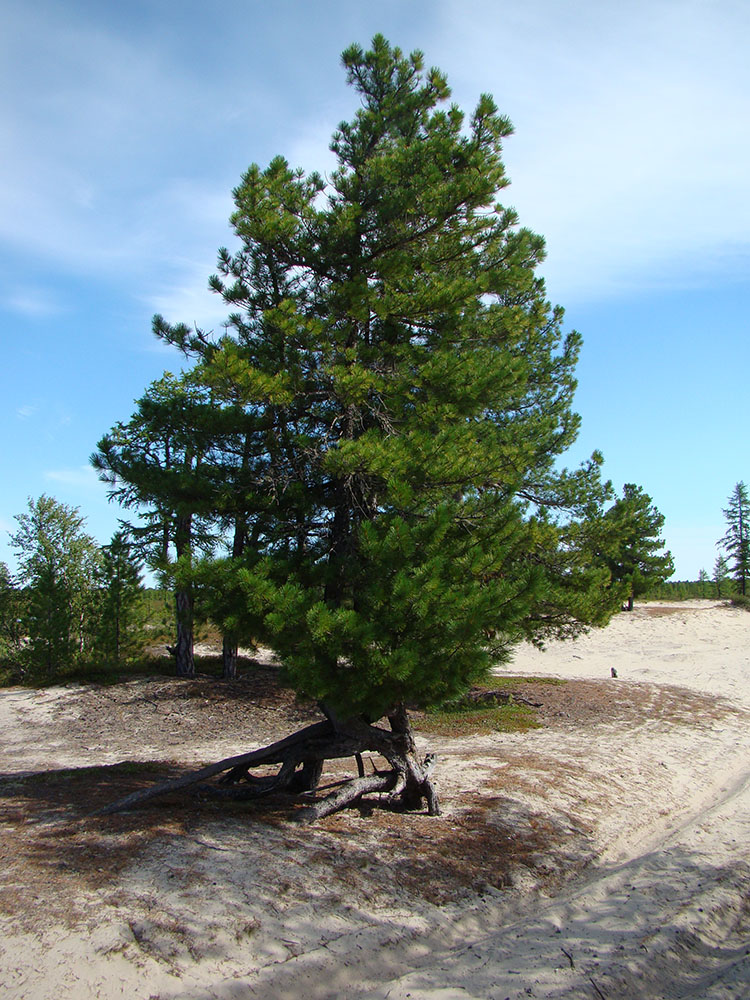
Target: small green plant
741,601
469,719
487,708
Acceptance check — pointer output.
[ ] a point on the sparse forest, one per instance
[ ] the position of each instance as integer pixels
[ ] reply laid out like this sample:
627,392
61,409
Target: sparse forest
72,604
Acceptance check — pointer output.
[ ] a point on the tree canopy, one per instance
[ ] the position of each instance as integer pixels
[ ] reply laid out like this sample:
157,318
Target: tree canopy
159,463
412,391
401,392
57,564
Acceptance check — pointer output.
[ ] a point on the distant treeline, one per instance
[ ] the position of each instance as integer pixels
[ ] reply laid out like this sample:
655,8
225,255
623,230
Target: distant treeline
687,590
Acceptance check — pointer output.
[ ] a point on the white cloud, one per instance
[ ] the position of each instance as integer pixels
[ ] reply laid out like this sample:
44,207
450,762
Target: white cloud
83,477
94,130
189,299
630,155
26,411
308,147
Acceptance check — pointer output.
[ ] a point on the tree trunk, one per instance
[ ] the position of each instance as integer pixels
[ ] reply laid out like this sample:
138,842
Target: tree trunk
229,657
184,602
230,643
183,648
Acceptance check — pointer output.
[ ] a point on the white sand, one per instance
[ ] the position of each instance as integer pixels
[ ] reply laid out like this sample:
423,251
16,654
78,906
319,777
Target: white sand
661,913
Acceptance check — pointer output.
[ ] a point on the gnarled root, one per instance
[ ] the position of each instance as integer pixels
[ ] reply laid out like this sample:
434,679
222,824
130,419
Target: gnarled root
406,785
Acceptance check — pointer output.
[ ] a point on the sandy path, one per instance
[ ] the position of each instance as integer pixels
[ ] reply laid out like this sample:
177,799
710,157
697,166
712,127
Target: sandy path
669,915
663,912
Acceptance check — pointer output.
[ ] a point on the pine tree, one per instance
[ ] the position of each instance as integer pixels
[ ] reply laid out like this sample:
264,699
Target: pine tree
154,465
721,574
411,392
632,544
120,613
736,542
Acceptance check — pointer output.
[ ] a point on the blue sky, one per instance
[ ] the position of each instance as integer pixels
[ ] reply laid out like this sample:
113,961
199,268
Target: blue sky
124,128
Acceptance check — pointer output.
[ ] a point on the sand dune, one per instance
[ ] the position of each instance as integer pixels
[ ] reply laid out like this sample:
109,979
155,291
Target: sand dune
649,817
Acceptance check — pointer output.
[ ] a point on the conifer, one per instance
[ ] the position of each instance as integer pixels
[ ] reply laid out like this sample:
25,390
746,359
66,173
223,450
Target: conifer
410,389
736,541
632,546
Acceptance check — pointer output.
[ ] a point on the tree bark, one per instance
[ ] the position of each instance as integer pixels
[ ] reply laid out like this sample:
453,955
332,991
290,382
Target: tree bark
183,648
184,601
230,643
229,657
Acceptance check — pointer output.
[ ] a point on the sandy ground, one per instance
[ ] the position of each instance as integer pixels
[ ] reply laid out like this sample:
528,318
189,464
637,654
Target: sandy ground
606,854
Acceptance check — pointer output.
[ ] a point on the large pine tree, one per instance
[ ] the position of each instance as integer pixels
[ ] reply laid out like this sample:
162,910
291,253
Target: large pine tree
411,393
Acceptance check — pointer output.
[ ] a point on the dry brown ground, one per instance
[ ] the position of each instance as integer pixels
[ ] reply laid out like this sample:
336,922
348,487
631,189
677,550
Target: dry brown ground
56,856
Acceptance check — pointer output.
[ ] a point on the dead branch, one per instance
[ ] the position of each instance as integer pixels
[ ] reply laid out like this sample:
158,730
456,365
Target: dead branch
347,796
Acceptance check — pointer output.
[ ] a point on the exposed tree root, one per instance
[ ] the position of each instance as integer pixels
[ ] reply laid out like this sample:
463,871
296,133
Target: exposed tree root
405,785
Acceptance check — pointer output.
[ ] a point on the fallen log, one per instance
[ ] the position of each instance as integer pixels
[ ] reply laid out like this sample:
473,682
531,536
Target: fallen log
272,754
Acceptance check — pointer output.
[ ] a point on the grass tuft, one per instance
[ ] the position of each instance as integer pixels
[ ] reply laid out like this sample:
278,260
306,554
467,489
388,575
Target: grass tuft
478,713
473,721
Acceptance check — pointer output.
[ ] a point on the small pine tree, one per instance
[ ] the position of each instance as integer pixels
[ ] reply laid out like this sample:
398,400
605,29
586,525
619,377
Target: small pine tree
632,544
736,541
120,607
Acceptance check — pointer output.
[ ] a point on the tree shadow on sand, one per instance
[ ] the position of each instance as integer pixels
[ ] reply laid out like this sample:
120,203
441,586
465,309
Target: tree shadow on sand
53,841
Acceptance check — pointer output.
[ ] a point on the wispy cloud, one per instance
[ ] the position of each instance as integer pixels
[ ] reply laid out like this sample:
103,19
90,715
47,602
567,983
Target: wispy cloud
630,154
34,303
26,411
189,300
83,477
95,125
